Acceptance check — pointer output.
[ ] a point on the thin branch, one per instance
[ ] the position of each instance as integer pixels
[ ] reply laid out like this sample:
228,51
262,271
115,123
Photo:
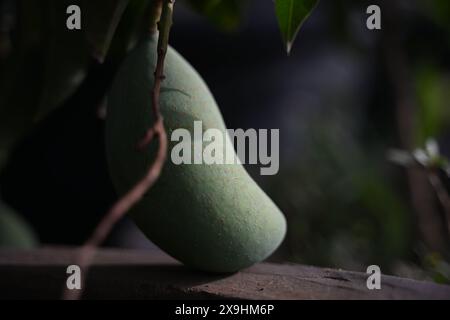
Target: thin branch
421,194
441,192
121,207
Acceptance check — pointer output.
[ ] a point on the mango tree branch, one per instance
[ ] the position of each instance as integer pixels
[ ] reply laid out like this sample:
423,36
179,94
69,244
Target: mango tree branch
164,25
118,210
441,193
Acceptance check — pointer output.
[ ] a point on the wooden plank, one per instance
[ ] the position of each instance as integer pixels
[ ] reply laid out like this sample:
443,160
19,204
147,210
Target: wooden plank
127,274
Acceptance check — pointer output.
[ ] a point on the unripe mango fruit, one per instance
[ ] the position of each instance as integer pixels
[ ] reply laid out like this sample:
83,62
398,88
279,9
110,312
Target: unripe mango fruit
210,217
14,231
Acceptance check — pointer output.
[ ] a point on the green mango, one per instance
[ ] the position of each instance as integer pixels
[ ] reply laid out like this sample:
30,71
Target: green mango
210,217
14,231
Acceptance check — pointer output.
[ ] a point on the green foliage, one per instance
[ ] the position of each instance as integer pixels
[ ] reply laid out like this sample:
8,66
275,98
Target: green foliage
438,267
440,10
291,14
136,18
433,94
341,207
50,61
101,20
14,231
46,62
225,14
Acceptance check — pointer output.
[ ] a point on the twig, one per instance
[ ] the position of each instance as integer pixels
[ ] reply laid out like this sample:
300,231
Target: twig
87,251
441,192
422,196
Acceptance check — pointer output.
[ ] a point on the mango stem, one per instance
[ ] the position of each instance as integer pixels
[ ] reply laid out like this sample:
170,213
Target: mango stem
86,253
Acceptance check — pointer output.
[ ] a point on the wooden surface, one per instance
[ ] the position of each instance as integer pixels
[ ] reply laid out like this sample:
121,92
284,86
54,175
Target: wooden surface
125,274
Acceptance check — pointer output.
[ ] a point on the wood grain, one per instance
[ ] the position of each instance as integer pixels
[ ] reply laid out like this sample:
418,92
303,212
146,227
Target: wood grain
127,274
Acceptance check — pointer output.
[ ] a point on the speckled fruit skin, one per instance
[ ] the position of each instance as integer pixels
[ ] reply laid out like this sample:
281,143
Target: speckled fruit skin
14,232
210,217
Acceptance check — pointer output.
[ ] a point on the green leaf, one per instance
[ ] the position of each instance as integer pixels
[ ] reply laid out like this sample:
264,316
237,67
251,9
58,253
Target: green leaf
21,76
67,52
291,14
135,20
45,62
65,56
433,94
101,18
225,14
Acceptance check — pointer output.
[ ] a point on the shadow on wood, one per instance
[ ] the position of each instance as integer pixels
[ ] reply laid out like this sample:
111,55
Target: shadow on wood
127,274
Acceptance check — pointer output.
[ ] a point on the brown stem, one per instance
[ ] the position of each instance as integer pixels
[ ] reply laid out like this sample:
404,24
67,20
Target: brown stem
442,195
87,251
120,208
154,15
422,196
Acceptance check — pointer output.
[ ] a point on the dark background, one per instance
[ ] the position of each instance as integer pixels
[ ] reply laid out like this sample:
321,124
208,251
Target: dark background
342,99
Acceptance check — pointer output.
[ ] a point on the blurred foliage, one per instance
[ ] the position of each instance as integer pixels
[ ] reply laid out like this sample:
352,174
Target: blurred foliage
346,207
433,94
225,14
14,231
101,19
438,268
38,53
43,62
341,208
441,11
